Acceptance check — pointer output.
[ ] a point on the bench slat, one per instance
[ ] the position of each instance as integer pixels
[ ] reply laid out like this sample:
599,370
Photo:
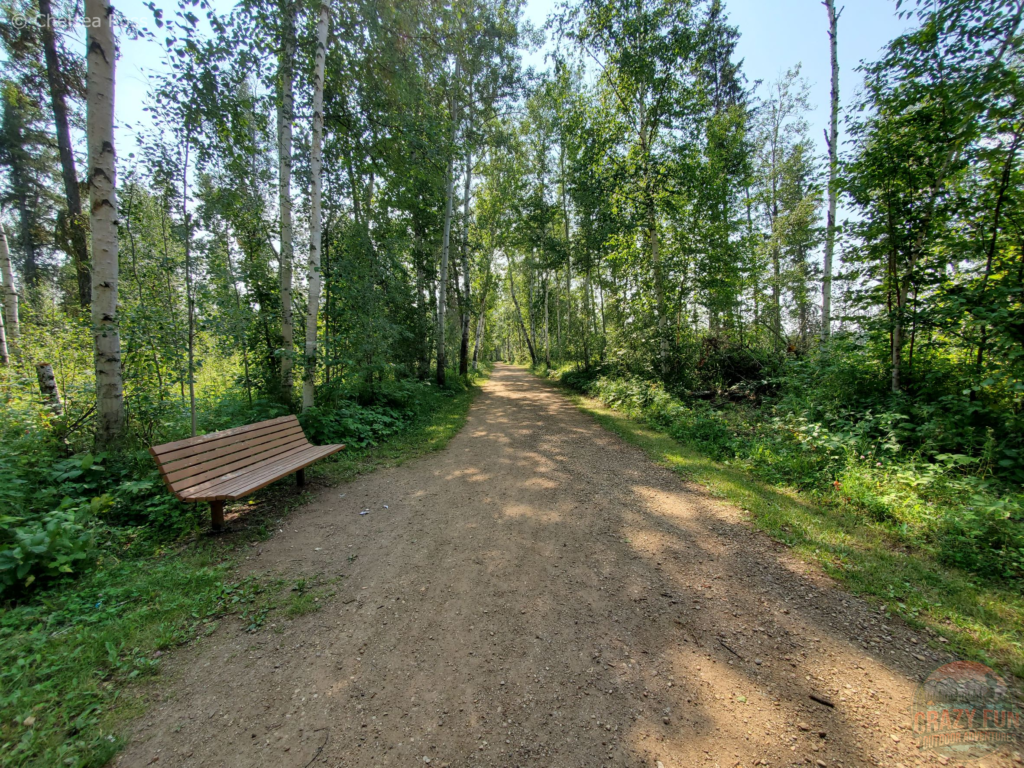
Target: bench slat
201,488
227,447
245,455
174,461
270,474
261,475
202,441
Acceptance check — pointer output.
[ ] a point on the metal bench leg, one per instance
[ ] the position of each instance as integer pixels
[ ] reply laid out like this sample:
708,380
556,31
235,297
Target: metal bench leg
217,515
300,478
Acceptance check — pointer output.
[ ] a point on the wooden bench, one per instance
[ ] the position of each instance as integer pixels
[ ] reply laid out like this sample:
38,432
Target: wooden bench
231,464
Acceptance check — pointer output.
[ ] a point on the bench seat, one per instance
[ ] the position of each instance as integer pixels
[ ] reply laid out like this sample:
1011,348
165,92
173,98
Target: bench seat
233,463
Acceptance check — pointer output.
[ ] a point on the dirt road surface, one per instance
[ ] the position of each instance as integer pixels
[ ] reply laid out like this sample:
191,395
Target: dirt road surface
540,593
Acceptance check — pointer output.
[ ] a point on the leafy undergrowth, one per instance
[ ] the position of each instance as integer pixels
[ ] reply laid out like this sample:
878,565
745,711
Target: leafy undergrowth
71,652
982,618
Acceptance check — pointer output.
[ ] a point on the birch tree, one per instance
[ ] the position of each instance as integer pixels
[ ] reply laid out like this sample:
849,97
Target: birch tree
442,287
285,116
5,261
100,57
13,327
5,357
832,139
315,224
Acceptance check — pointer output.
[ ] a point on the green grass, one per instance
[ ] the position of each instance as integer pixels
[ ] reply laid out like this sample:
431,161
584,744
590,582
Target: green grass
72,656
980,620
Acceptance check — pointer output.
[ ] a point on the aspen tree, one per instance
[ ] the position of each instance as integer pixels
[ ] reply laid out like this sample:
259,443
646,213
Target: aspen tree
100,57
5,357
442,288
48,388
285,115
315,224
833,163
12,326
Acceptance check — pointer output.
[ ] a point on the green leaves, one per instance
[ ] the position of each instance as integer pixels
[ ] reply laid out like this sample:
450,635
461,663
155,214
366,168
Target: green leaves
45,549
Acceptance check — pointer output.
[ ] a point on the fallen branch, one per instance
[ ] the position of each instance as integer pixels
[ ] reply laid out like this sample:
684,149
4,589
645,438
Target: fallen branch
320,748
730,650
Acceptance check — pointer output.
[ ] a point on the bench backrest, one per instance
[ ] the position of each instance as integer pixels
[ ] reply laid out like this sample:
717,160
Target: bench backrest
187,463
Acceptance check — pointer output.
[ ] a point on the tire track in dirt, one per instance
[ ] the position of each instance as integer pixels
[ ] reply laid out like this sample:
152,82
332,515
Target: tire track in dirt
540,593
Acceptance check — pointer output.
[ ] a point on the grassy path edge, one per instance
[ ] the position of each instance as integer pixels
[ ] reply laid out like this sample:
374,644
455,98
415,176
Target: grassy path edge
960,614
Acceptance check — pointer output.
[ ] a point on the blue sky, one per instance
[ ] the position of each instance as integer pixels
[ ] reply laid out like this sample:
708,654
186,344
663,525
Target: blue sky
778,34
774,35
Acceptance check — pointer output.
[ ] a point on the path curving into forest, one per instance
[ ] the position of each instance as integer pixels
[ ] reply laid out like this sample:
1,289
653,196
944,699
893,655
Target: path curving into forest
540,593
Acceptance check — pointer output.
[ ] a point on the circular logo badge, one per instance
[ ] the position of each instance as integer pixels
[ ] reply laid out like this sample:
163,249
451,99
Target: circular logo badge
965,710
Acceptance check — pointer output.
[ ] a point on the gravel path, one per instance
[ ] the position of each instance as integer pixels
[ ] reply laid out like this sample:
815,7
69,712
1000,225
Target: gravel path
540,593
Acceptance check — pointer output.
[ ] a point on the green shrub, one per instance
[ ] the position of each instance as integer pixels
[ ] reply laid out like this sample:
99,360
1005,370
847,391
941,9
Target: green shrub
49,547
949,502
353,425
986,536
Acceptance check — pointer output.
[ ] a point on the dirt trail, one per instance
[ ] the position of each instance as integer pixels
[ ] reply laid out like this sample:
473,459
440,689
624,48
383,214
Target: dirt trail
540,593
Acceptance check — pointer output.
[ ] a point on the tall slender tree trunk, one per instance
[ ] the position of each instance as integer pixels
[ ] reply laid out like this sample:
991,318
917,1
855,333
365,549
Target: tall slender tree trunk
5,357
58,100
100,55
190,300
558,323
150,341
659,282
243,330
586,319
5,259
519,313
833,165
13,326
423,316
442,288
30,265
480,319
529,307
777,294
547,335
315,224
466,306
48,388
568,249
285,116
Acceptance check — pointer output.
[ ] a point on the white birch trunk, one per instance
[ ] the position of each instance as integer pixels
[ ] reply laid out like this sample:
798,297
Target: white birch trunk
5,357
568,245
100,55
315,223
480,320
48,388
833,163
466,282
547,335
442,289
13,327
285,115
